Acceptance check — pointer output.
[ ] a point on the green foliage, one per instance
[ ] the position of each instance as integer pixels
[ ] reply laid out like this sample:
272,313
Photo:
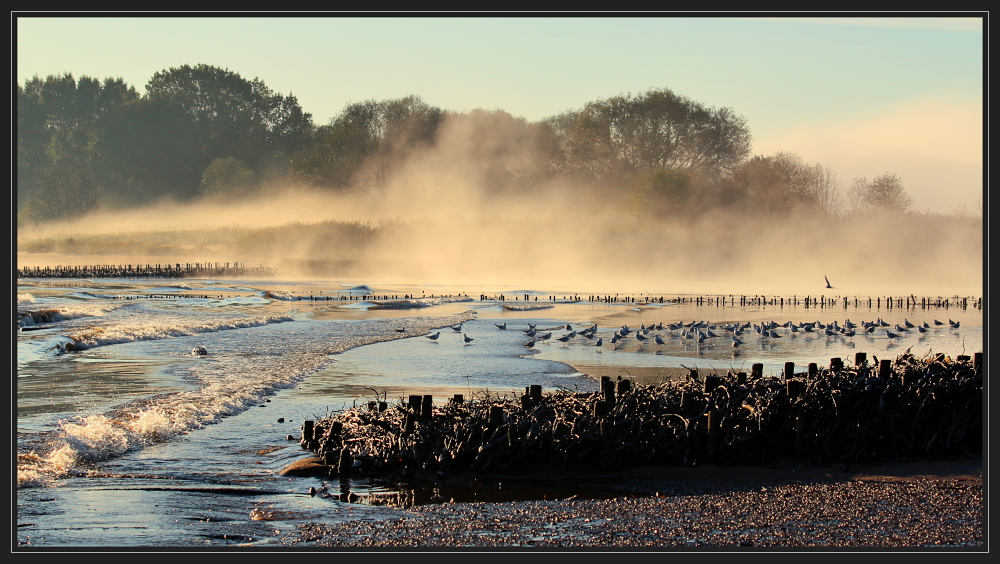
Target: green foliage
228,177
149,150
63,192
235,117
627,135
663,191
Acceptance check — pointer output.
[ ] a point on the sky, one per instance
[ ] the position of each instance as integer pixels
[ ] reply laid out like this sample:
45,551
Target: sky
862,95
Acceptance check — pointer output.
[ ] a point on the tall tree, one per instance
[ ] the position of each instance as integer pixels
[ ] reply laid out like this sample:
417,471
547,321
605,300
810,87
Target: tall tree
57,119
628,135
235,117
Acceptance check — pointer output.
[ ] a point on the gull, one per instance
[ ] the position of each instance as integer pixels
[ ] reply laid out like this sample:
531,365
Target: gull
827,281
532,333
658,340
457,328
936,322
467,338
564,338
599,342
921,329
546,336
925,325
736,342
569,327
640,336
529,344
434,337
615,337
774,334
955,324
501,327
907,324
890,334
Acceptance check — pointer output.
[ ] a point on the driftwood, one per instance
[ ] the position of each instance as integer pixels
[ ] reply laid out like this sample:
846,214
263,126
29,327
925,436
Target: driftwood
921,407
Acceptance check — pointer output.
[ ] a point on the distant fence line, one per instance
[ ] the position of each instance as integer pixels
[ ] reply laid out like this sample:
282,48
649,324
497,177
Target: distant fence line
218,269
877,302
176,270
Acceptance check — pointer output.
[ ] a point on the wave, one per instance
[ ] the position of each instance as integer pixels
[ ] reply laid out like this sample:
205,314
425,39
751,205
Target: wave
360,289
413,303
144,330
234,379
45,315
25,299
526,306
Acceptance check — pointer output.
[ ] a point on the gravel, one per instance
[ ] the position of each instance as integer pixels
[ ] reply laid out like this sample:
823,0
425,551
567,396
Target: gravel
885,507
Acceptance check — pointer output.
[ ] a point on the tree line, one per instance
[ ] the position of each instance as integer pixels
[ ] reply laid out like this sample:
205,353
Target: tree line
202,132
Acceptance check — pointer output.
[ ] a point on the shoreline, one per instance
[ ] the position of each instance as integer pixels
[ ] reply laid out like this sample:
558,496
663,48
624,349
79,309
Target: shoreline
918,504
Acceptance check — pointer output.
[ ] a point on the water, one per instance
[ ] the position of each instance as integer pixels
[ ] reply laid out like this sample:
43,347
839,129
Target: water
131,440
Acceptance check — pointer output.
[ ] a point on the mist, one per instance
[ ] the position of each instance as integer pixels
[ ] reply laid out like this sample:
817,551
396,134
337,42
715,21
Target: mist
440,218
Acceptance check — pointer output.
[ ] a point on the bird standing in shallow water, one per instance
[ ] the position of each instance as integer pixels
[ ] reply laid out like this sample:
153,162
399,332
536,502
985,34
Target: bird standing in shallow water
434,337
501,327
467,338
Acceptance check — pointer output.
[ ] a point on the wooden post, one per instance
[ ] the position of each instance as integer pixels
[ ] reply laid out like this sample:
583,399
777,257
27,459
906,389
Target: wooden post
794,388
884,368
307,432
712,382
977,362
345,463
813,369
789,370
836,364
860,359
496,415
415,402
410,423
757,371
624,386
426,408
458,399
536,393
714,430
602,408
741,378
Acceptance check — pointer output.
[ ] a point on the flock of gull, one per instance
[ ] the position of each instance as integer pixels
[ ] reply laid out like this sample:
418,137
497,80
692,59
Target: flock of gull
701,332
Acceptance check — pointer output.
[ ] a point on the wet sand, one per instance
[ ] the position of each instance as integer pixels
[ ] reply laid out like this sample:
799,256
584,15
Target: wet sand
904,505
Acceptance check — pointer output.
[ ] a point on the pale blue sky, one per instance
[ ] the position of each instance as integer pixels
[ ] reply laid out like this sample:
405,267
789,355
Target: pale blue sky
863,95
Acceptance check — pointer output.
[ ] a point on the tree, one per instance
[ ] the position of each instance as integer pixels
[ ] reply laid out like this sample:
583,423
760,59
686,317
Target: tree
64,192
228,177
149,149
883,194
364,144
627,135
235,117
783,183
663,191
57,119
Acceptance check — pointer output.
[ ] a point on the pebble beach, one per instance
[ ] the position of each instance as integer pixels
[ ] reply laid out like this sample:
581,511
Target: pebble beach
915,505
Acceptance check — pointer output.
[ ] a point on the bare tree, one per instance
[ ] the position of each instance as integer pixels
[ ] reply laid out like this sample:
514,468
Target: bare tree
883,194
